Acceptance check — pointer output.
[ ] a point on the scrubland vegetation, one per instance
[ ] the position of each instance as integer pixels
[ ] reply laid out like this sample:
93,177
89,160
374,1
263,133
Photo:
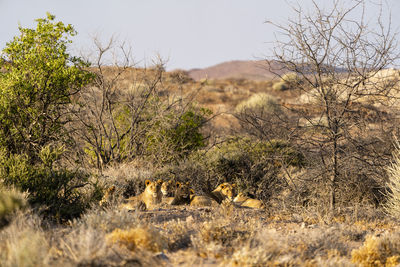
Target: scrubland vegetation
81,139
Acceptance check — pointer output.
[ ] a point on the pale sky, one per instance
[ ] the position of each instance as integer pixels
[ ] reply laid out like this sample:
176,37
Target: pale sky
189,33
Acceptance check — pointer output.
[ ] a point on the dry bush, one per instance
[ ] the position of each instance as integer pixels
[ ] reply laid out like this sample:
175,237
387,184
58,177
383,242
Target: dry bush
128,178
11,200
392,206
378,251
262,102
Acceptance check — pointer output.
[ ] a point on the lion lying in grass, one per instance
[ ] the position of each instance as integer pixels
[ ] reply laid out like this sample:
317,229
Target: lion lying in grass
147,200
243,201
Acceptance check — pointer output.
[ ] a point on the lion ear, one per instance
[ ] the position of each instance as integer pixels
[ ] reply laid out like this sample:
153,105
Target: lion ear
192,191
160,181
147,182
178,184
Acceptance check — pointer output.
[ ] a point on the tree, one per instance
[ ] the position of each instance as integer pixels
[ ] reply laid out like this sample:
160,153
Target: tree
37,81
339,63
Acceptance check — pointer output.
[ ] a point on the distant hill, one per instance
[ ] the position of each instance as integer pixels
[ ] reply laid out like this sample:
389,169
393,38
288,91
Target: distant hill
237,69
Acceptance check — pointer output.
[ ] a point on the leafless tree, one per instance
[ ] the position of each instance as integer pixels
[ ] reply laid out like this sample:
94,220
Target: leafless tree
340,63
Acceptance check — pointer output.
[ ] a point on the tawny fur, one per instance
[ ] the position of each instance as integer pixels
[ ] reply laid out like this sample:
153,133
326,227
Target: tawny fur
168,188
149,199
201,201
224,191
244,201
168,191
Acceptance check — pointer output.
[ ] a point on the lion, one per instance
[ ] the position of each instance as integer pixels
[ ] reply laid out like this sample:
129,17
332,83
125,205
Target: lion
243,201
224,191
148,199
182,194
168,191
201,201
168,188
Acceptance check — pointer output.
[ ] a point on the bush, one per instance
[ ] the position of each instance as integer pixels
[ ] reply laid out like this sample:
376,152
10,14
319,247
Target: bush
253,165
10,201
55,188
280,86
36,86
288,81
261,102
392,206
174,136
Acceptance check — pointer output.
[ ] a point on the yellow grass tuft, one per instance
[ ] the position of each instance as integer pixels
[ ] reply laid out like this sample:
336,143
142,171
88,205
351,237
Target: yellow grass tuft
377,252
144,238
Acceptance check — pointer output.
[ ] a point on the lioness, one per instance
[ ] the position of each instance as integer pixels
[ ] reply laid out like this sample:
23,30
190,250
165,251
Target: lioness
182,194
148,199
224,191
244,201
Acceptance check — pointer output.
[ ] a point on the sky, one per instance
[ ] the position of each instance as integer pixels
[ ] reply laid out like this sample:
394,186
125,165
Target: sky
186,33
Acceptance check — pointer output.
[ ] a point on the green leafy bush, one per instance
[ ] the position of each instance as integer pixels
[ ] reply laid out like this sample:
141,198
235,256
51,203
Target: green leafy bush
175,136
56,190
38,79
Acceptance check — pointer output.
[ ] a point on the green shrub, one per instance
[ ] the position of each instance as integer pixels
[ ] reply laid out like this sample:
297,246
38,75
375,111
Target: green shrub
38,80
54,189
175,136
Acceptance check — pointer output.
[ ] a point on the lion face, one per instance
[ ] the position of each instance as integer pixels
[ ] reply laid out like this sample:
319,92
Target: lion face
153,188
226,190
183,190
168,188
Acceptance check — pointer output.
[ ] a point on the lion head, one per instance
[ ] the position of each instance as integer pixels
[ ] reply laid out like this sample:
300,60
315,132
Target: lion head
168,188
153,188
225,190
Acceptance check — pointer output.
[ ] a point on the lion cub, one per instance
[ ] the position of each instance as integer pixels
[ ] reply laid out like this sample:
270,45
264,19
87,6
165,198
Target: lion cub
224,191
168,191
244,201
182,194
148,199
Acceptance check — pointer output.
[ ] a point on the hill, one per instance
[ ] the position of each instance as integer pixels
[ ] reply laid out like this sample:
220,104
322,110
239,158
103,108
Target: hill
237,69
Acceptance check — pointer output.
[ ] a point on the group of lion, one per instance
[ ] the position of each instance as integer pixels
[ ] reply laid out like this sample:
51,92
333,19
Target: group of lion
177,193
